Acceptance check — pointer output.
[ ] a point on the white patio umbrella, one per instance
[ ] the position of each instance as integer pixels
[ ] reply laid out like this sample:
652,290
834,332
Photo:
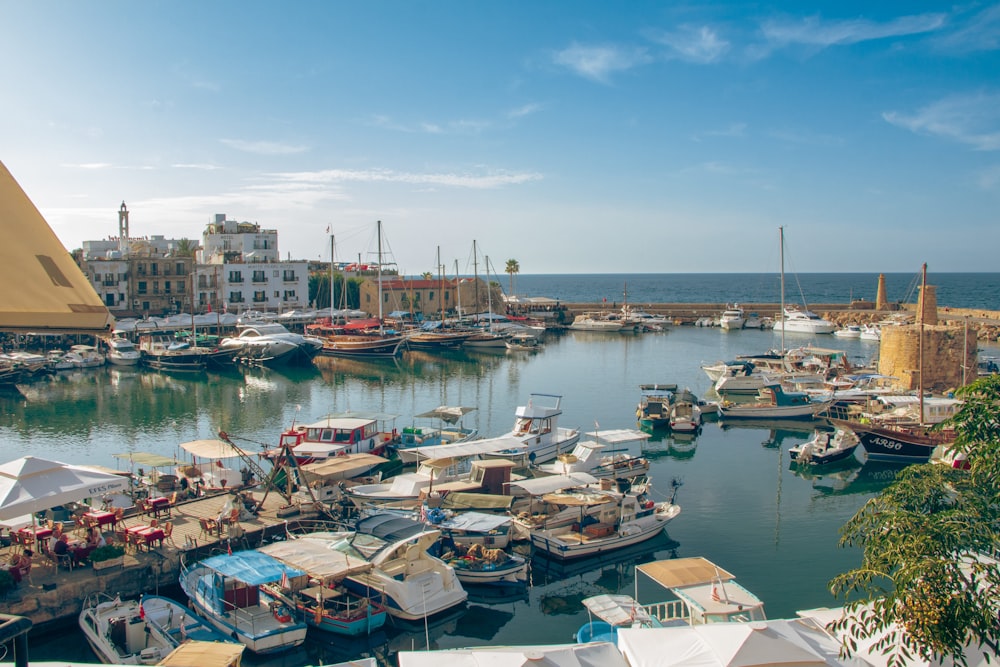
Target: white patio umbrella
31,484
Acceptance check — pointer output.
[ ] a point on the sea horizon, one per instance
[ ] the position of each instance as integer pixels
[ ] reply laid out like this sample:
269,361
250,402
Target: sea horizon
953,289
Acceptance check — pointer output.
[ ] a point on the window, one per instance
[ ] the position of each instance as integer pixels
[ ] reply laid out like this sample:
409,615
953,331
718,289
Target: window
290,295
154,269
142,287
430,296
289,277
235,297
259,296
179,268
235,276
180,285
166,287
259,277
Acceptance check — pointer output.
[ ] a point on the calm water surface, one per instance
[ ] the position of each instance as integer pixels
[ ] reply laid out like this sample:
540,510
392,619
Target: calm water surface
742,505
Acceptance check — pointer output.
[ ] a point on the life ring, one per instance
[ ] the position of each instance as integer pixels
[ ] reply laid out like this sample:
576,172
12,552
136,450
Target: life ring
282,614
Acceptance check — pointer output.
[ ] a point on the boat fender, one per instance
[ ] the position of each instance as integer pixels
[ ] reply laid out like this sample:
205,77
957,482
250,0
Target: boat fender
282,614
648,504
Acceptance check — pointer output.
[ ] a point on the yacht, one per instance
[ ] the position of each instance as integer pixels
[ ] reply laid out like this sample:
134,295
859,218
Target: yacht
803,321
849,331
270,343
732,318
123,352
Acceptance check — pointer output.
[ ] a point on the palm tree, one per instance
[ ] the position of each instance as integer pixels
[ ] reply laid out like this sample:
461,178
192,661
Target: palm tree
512,268
185,248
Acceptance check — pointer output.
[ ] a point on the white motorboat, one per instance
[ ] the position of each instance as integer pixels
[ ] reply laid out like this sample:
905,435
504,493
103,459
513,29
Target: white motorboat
85,356
595,322
685,412
536,426
630,519
732,318
414,583
849,331
870,332
653,410
445,428
141,632
825,447
271,344
449,474
523,342
488,567
123,352
614,454
225,590
803,321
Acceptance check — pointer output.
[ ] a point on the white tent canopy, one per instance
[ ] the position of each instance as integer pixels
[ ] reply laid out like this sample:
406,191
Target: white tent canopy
211,449
470,448
31,484
595,654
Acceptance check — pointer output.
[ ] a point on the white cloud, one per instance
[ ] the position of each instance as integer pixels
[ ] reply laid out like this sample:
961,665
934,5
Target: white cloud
600,62
89,165
264,147
973,120
989,179
697,44
813,31
524,110
981,32
473,181
203,167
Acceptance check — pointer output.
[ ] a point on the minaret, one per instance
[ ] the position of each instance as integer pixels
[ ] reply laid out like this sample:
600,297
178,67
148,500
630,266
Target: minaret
123,237
881,303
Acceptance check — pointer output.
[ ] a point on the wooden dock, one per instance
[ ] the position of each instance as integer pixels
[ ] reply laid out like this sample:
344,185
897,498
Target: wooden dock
56,594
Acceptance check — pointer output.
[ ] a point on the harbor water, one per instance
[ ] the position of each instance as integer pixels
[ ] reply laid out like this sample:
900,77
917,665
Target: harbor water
743,505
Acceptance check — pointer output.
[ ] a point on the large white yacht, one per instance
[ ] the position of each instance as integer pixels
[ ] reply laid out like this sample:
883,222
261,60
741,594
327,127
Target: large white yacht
732,318
803,321
271,343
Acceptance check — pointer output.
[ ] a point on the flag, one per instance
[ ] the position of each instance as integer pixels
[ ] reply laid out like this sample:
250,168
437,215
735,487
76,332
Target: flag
229,548
284,579
142,612
715,594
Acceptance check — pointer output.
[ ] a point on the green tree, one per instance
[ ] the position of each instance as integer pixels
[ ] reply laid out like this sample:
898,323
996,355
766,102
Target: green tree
426,275
186,248
921,590
510,269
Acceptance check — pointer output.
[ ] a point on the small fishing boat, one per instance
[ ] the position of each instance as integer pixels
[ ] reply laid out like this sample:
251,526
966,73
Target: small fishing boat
325,603
773,402
620,522
653,410
225,589
483,566
140,632
614,453
445,428
825,447
536,426
523,342
685,412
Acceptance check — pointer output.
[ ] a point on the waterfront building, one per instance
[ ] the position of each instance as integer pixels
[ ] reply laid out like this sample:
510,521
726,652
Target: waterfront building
426,296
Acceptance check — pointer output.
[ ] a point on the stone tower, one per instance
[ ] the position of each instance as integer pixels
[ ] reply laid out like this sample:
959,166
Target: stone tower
881,302
927,306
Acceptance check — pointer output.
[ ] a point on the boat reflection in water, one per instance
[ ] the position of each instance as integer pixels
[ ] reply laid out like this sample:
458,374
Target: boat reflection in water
851,478
779,429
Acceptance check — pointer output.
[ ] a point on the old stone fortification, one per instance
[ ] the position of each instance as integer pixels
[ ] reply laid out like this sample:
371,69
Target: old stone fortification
942,358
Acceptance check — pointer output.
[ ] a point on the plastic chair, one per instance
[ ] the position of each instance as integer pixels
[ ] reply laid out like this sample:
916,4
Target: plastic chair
209,527
64,560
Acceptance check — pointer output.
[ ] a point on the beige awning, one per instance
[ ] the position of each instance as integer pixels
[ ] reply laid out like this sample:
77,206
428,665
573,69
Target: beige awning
341,467
204,654
678,572
211,449
52,294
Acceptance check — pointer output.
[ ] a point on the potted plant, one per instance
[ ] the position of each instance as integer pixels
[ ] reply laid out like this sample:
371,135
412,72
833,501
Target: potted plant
107,556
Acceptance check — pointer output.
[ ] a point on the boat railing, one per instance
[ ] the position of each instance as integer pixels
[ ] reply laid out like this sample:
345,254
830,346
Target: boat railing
670,610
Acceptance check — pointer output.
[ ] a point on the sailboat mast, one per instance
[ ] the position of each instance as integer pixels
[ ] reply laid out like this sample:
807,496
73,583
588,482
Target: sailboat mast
458,290
440,269
781,244
331,278
380,329
475,275
489,294
920,342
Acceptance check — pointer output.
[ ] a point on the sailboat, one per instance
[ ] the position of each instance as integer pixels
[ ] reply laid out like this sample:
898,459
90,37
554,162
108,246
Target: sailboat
488,338
792,319
358,338
900,442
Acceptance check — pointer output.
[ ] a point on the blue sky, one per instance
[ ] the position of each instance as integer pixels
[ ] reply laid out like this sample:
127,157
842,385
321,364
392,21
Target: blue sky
574,137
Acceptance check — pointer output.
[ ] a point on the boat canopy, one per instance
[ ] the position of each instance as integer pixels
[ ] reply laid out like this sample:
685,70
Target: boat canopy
317,558
337,466
390,527
679,572
211,449
618,609
618,435
470,448
251,567
204,654
541,485
460,500
476,522
147,459
449,414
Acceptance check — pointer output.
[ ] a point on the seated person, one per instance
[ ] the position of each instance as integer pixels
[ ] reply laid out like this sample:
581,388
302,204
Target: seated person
63,548
22,566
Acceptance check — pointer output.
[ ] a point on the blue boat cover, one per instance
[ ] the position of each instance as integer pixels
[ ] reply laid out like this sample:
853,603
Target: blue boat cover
251,567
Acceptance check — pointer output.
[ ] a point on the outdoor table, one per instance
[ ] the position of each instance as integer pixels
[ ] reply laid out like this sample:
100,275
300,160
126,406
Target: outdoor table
160,506
151,535
36,535
101,518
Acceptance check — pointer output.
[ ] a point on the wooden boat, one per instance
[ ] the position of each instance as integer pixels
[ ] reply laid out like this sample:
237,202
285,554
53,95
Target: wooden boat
627,520
825,448
897,442
523,342
226,590
163,352
653,410
446,428
773,402
337,435
685,412
484,566
140,632
325,603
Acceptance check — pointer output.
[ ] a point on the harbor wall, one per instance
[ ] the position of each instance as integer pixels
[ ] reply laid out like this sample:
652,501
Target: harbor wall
947,351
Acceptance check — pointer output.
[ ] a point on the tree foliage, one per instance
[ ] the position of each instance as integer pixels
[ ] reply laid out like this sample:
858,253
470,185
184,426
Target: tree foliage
512,268
923,589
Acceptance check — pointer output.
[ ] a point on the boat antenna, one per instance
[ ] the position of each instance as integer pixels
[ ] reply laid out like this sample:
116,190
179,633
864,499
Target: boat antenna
920,342
331,277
